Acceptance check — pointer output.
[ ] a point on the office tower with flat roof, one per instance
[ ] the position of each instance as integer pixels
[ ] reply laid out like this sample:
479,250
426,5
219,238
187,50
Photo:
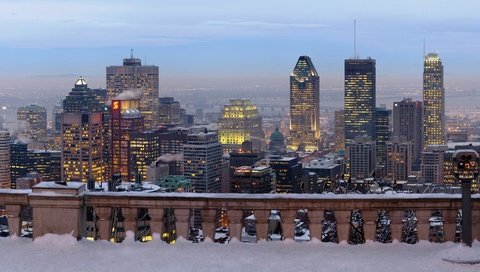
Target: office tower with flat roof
362,154
35,118
4,159
144,150
408,123
134,80
203,162
339,130
399,158
288,174
433,101
169,111
82,135
47,163
240,122
304,106
382,136
19,162
433,164
252,180
125,120
360,98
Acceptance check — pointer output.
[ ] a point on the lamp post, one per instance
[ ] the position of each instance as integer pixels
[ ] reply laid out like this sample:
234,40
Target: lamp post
466,169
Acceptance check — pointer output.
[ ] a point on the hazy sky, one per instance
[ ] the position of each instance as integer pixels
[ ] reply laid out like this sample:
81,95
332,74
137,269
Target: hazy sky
234,43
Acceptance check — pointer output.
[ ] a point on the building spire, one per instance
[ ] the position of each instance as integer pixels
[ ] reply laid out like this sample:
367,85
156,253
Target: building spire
131,53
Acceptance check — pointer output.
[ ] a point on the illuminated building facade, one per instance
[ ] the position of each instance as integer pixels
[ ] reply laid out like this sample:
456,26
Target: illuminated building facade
144,150
433,164
203,161
82,139
304,106
339,130
169,111
399,159
408,122
362,154
47,163
433,101
35,118
19,162
240,122
125,120
252,180
360,98
4,159
382,136
135,79
288,174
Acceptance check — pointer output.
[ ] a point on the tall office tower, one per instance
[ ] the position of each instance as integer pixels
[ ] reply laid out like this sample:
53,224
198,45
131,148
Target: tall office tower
304,106
19,162
240,122
433,101
171,149
4,159
362,154
202,162
360,98
408,122
57,119
382,131
252,180
144,150
82,139
45,162
288,172
35,118
339,130
135,80
169,111
433,164
101,95
125,120
399,158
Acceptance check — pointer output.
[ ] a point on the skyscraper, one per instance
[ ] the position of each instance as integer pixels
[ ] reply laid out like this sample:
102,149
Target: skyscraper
433,164
362,154
339,130
82,139
202,162
170,112
35,118
382,136
407,122
4,159
399,158
360,98
304,106
433,101
240,122
135,81
126,119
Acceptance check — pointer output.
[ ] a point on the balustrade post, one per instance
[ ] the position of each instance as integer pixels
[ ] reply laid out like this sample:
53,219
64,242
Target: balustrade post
288,223
103,223
396,223
181,224
156,220
261,224
316,217
235,218
130,220
449,224
475,223
14,221
343,224
369,223
423,223
208,222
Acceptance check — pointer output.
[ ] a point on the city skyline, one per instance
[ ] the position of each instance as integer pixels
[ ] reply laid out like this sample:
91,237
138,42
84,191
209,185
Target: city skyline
237,44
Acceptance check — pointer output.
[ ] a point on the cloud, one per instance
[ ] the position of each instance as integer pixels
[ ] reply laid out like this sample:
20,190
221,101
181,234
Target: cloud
263,24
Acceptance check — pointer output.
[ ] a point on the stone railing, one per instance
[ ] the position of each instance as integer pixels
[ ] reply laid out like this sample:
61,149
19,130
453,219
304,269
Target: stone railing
61,210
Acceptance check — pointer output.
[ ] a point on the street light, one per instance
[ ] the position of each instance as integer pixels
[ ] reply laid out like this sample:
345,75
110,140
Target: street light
466,169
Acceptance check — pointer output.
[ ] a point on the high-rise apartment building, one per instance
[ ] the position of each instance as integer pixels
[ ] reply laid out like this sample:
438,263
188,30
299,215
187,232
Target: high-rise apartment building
362,153
399,158
382,136
304,106
339,130
240,122
4,159
433,164
360,98
408,123
135,80
125,120
202,162
35,118
433,101
82,139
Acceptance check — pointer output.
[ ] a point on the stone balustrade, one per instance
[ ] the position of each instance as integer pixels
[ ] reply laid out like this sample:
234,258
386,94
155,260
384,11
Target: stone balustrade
64,211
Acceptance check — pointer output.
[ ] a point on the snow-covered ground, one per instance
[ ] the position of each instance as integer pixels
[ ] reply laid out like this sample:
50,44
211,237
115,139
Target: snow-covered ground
64,253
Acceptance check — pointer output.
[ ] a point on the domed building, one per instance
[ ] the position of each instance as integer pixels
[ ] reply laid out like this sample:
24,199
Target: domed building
277,143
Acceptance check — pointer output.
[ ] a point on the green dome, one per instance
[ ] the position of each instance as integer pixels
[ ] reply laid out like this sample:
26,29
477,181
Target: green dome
276,136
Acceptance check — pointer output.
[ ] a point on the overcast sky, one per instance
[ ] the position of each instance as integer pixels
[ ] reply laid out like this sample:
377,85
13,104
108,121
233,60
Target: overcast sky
237,43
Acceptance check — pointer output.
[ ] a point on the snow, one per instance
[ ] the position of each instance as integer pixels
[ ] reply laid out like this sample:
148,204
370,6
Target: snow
63,253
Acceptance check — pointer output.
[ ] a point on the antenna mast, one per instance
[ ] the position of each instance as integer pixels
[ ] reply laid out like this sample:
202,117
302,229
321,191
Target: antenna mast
131,53
354,38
